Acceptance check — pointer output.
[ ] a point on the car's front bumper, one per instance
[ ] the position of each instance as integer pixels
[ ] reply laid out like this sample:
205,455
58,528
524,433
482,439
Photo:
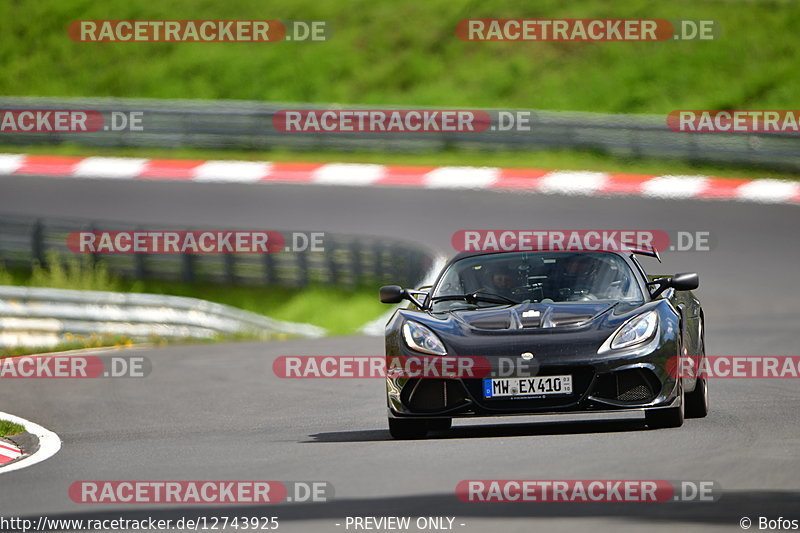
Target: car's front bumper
634,380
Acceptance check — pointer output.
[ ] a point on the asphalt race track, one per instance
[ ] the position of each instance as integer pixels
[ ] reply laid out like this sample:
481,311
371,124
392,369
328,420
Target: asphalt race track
217,412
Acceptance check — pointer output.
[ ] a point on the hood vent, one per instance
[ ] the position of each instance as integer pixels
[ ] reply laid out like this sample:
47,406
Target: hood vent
531,317
570,320
492,322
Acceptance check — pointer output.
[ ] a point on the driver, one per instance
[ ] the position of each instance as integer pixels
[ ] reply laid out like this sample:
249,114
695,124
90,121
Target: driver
501,280
579,276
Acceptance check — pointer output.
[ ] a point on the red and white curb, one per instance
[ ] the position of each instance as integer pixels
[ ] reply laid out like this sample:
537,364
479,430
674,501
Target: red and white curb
429,177
49,444
8,452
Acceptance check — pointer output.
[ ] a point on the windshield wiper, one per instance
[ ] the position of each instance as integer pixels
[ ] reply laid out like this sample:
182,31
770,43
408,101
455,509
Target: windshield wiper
475,297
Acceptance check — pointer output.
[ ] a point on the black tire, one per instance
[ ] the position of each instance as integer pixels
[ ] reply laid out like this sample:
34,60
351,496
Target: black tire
407,429
697,400
440,424
671,417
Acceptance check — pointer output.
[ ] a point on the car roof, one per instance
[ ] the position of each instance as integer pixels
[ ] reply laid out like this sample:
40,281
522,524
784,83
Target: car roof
630,253
463,255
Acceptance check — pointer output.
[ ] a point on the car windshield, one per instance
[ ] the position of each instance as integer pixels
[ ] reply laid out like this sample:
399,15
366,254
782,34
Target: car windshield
545,277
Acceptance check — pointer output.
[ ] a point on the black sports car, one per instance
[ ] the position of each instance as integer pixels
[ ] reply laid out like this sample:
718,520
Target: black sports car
559,332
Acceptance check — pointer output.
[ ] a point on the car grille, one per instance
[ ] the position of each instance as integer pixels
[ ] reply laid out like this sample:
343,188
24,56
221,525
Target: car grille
632,385
639,392
432,394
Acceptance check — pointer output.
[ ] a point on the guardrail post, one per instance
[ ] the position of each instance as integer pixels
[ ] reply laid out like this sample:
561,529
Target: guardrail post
95,258
230,268
694,156
380,271
409,267
635,141
330,261
397,259
187,268
302,265
37,242
139,262
139,266
268,263
355,253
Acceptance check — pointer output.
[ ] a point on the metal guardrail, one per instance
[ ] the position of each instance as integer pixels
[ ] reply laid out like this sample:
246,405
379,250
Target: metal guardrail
347,261
249,125
45,317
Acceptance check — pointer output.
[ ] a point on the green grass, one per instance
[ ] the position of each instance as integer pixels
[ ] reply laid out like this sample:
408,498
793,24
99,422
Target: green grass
77,342
556,160
406,53
10,428
339,310
389,53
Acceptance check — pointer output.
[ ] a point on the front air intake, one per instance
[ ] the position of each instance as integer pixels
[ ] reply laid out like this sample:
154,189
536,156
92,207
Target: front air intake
432,394
636,385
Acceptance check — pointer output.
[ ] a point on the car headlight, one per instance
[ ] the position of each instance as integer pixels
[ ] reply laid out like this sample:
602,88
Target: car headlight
636,330
421,339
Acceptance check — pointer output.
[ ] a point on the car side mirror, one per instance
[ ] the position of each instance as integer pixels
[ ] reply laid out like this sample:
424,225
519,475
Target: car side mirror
392,294
687,281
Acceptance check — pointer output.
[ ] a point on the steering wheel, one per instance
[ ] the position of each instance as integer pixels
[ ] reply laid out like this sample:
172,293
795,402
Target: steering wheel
528,290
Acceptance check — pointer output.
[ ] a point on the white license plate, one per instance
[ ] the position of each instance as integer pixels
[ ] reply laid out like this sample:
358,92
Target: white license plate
520,387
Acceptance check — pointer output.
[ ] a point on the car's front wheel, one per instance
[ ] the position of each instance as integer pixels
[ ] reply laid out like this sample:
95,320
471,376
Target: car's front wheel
671,417
697,400
407,429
